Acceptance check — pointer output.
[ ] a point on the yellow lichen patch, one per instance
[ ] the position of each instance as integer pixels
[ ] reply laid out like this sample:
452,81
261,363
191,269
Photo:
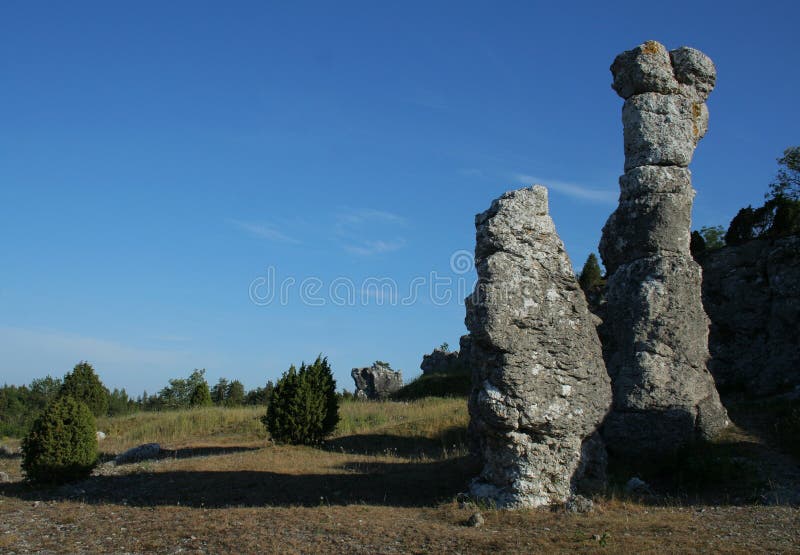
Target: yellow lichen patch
652,47
697,112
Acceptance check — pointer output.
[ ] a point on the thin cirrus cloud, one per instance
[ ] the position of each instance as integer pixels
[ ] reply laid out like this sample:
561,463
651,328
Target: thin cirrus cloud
368,231
265,231
367,248
600,196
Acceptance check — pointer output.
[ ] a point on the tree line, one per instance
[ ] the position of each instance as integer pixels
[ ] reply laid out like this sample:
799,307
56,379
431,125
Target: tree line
20,405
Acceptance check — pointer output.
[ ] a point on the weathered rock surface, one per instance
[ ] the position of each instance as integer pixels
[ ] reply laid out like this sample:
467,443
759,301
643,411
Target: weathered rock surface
655,332
377,381
752,295
140,453
540,388
441,362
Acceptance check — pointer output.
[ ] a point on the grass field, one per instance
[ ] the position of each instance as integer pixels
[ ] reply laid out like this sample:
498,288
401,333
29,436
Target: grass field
386,482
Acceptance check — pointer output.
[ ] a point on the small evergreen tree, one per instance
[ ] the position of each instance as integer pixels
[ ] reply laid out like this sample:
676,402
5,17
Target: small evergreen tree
218,392
84,385
260,395
62,443
281,418
591,276
234,394
304,407
201,396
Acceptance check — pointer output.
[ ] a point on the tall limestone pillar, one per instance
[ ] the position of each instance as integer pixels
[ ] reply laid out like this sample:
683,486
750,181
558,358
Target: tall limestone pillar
655,333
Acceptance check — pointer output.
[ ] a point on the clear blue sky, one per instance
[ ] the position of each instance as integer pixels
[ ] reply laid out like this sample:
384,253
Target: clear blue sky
158,157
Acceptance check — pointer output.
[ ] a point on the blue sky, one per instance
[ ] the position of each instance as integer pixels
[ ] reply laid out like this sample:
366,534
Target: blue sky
159,161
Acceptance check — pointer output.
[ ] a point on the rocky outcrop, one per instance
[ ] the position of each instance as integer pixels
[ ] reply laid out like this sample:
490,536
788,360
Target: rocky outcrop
655,335
441,362
539,386
752,295
377,381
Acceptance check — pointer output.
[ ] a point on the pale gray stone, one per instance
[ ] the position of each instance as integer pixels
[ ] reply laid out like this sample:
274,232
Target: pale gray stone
579,504
646,68
662,130
650,68
377,381
654,215
540,388
655,332
695,69
475,520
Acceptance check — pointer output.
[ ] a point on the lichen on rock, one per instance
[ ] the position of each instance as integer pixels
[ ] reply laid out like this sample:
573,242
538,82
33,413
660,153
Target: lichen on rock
655,333
540,388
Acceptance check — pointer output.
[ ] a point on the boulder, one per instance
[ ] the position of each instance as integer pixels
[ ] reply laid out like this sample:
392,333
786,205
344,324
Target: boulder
655,332
377,381
539,386
441,362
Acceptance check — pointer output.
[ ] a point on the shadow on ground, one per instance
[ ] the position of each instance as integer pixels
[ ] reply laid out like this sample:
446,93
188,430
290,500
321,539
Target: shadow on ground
447,444
393,484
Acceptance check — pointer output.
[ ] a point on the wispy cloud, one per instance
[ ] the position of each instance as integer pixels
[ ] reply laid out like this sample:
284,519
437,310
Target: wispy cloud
602,196
367,248
265,231
368,231
353,217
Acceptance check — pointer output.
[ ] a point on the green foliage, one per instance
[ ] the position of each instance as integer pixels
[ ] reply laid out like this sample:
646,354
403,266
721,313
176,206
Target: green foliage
218,392
709,238
450,384
780,214
304,407
19,406
778,217
787,181
120,404
201,396
234,394
84,385
181,392
62,444
445,347
591,277
714,236
260,395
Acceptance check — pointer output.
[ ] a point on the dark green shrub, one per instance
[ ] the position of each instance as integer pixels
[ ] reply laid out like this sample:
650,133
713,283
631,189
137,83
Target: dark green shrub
304,407
62,443
84,385
201,396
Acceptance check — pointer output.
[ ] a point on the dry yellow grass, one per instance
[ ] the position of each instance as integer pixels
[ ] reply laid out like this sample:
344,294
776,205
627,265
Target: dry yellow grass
385,483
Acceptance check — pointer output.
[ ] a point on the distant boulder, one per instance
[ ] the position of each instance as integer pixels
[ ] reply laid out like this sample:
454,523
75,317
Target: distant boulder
441,362
377,381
